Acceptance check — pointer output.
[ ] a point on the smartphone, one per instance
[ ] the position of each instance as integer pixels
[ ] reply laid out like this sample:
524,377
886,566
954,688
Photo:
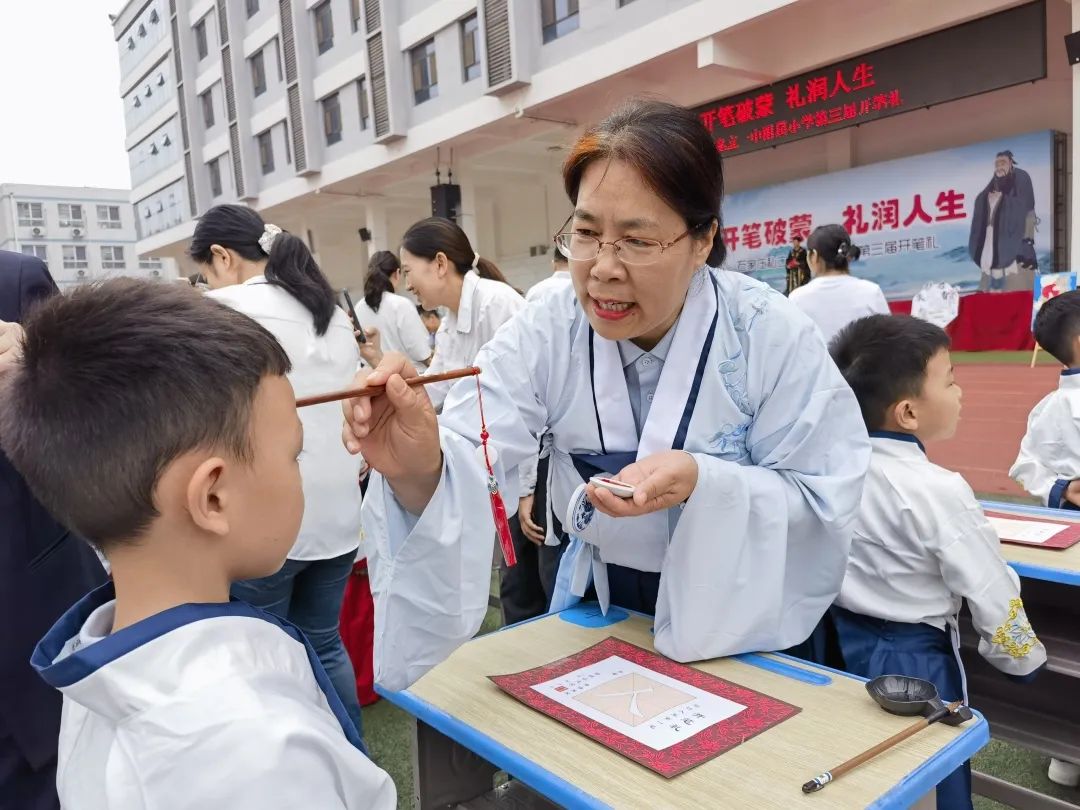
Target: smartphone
360,336
620,488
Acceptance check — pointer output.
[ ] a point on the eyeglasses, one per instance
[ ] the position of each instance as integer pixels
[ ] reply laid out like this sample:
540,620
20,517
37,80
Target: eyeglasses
582,247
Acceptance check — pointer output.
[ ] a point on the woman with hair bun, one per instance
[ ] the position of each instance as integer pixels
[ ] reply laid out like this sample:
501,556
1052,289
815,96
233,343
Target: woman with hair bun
834,298
394,316
705,391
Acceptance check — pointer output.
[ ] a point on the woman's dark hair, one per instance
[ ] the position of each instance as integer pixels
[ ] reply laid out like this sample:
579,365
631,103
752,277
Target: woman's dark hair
833,244
381,266
439,235
671,150
289,265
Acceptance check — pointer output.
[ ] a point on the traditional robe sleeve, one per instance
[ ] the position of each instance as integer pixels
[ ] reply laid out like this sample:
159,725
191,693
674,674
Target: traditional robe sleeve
969,552
430,576
760,550
1031,470
440,362
265,751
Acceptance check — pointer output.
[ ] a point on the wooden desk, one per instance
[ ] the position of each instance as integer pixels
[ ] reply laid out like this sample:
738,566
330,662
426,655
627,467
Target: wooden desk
1044,715
457,707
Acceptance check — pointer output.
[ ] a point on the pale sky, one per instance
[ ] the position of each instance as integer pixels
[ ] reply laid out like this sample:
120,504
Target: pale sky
62,118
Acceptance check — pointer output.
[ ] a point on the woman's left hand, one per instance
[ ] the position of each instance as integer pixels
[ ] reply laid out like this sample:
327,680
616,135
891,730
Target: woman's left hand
660,481
371,348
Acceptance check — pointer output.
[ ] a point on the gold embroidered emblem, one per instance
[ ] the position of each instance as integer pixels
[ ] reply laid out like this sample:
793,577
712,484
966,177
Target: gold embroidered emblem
1015,635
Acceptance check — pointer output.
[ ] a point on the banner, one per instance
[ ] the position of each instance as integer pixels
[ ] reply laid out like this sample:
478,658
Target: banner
1047,286
958,216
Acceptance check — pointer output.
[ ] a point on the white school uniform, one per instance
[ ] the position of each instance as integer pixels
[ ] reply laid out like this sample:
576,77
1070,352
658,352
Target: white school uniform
922,545
553,283
399,325
1049,456
832,302
320,363
750,562
200,706
485,306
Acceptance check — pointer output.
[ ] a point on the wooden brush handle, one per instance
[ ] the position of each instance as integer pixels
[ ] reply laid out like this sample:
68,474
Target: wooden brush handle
376,390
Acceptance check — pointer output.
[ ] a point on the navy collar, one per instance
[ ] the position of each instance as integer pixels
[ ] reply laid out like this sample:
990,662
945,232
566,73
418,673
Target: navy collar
1070,372
900,437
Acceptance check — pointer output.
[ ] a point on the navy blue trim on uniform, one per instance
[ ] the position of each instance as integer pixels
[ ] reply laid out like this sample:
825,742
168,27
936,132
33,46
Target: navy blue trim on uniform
86,661
699,374
1070,372
592,385
898,436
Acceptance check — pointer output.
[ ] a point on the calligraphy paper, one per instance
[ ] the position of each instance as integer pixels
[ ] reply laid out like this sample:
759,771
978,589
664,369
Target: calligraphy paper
666,716
1034,531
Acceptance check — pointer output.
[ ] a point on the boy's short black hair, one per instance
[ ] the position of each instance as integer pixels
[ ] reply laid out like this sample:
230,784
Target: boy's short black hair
884,358
116,381
1057,325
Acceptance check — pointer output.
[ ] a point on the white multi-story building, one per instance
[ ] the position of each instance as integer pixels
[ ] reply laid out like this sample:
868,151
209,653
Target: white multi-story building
83,234
332,116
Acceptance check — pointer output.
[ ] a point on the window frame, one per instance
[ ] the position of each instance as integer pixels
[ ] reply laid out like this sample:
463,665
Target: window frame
37,251
202,41
75,263
206,101
470,70
329,134
214,170
257,59
107,222
324,27
422,60
113,263
251,7
265,143
553,26
71,220
362,103
30,221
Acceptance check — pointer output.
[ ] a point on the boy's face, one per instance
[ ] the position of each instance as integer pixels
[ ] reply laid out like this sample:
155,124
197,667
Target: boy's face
937,408
264,518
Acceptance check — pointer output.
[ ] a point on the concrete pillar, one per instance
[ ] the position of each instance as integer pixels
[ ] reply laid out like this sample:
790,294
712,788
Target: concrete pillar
1074,164
378,222
470,200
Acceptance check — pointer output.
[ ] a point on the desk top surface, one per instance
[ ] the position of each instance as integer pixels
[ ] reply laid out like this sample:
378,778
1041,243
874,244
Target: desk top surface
1053,565
838,720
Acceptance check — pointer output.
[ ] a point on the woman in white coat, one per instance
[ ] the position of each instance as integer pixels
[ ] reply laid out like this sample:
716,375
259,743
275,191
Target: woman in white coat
707,391
394,316
270,276
834,298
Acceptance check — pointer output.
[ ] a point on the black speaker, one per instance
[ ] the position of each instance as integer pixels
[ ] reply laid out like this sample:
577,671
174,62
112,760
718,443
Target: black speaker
365,235
1072,47
446,201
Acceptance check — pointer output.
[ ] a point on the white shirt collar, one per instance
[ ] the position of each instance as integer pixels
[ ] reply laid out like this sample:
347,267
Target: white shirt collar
463,320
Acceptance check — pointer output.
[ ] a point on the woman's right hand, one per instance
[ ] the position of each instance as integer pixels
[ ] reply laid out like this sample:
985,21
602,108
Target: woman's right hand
397,432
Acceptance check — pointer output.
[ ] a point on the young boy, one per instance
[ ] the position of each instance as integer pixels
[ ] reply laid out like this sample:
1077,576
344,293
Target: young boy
159,425
1048,465
921,543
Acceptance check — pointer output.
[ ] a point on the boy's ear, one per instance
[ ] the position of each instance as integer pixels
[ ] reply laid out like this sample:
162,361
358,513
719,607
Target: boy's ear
906,415
207,498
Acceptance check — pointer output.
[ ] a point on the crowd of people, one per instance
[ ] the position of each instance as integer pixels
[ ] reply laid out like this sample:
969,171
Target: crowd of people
774,447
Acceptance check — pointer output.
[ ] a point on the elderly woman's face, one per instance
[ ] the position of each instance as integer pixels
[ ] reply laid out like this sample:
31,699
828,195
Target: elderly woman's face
624,301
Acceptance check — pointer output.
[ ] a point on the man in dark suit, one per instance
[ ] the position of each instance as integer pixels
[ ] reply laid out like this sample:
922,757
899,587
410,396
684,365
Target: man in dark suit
44,569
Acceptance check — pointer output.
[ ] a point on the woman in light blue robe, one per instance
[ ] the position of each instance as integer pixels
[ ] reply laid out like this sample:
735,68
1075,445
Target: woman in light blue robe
704,389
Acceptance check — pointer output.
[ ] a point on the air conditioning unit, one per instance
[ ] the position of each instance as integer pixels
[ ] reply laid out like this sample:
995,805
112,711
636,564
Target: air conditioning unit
76,232
37,231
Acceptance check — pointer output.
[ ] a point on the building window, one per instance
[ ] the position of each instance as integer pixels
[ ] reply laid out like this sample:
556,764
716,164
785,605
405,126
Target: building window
324,27
425,76
252,8
149,264
201,48
331,118
112,257
31,215
266,151
108,216
288,148
37,251
361,92
355,13
559,17
470,52
214,167
71,216
207,100
258,74
75,257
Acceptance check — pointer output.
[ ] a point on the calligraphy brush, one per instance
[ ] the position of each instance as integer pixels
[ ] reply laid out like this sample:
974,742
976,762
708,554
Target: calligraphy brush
818,782
376,390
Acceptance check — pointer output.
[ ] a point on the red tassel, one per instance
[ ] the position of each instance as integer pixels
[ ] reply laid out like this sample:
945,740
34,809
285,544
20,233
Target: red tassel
498,508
